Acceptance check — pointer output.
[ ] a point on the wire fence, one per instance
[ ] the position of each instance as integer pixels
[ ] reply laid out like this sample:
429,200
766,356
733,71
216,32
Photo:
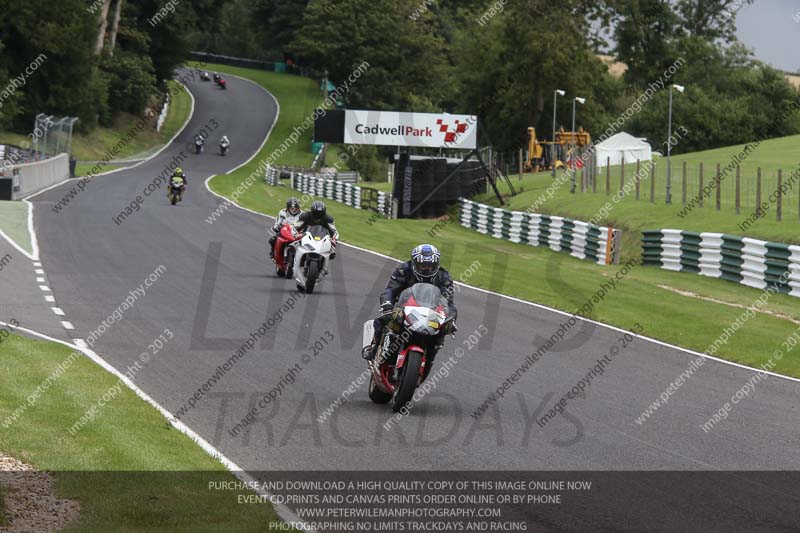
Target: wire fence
733,188
724,187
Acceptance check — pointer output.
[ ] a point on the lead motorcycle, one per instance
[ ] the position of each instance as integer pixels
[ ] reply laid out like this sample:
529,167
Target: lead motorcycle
175,189
424,313
312,257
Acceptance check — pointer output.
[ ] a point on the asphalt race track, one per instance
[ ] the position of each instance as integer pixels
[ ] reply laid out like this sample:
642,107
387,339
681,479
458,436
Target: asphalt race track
219,286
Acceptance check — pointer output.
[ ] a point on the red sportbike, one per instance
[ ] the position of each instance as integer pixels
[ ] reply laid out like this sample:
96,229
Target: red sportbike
283,253
424,314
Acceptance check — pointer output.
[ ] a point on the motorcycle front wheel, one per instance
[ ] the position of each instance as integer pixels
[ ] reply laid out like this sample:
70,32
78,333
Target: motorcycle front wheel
312,273
290,263
404,390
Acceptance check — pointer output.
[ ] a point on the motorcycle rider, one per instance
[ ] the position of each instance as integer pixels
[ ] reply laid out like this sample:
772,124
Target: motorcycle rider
177,179
224,142
422,268
289,215
199,141
318,216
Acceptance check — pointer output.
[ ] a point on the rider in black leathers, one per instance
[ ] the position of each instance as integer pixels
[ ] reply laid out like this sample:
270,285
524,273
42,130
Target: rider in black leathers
422,268
318,216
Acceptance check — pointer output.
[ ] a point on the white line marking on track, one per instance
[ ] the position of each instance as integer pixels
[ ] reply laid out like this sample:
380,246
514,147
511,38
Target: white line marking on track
39,271
40,280
283,511
67,325
49,298
57,310
45,288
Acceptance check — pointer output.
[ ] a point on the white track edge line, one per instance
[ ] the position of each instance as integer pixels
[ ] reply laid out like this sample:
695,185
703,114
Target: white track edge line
282,510
16,246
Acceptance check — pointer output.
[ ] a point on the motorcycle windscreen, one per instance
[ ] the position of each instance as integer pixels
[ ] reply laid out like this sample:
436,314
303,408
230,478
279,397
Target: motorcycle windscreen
424,295
318,232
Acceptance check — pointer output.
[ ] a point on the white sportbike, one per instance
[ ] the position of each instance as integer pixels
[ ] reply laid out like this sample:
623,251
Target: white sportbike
312,258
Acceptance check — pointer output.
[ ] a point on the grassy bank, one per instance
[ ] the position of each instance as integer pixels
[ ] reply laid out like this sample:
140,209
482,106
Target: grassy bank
635,215
646,295
125,469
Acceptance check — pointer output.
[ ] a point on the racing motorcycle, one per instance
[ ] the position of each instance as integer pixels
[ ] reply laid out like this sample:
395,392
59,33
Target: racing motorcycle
204,76
175,191
424,313
312,257
222,83
284,252
198,145
223,147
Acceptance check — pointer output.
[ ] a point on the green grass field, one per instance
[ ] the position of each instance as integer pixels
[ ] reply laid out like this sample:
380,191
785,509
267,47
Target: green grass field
127,471
541,275
635,215
14,223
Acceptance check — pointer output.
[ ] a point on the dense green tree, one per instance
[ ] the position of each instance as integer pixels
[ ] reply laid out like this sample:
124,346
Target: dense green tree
509,69
404,56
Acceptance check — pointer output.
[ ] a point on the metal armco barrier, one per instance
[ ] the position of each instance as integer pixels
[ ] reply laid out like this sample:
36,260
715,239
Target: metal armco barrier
758,264
339,191
580,239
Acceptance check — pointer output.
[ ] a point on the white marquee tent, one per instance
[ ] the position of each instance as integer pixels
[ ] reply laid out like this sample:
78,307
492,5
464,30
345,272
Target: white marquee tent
622,146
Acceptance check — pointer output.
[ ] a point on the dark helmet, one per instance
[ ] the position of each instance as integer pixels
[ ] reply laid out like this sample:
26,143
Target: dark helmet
293,206
318,210
425,262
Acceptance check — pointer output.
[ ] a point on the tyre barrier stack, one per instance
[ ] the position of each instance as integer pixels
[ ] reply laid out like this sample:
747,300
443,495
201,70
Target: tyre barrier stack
333,190
272,176
338,191
580,239
758,264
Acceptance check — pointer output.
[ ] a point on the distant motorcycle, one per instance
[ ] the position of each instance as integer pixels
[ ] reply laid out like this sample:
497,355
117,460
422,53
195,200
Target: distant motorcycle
177,186
283,254
204,76
312,258
424,315
198,145
222,83
223,147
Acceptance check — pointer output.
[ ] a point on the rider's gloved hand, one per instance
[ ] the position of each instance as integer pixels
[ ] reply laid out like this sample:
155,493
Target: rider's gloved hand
386,312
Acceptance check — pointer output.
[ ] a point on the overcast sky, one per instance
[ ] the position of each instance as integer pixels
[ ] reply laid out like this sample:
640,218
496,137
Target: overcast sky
772,29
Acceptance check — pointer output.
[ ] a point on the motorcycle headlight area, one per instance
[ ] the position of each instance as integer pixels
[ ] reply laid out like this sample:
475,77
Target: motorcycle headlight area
423,320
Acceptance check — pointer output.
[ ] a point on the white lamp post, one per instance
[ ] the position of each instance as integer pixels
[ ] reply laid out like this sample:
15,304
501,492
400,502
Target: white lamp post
680,89
556,94
576,100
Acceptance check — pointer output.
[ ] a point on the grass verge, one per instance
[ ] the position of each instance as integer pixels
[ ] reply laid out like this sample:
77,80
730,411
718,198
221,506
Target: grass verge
543,276
636,215
14,223
127,471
